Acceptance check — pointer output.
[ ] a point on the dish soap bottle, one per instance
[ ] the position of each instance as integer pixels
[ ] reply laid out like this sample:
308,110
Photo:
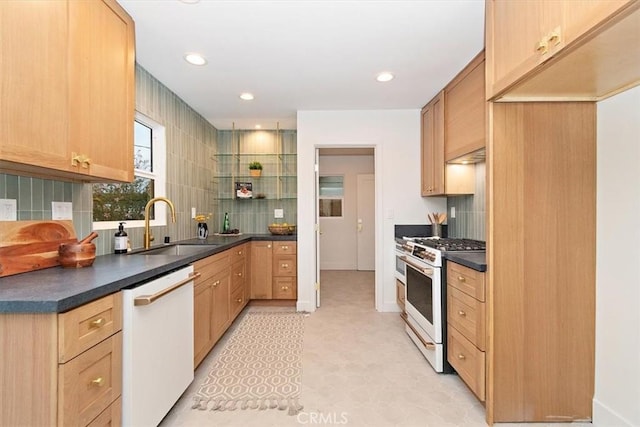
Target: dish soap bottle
120,240
225,224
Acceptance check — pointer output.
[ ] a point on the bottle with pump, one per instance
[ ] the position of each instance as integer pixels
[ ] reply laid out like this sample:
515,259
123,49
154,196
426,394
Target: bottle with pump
120,240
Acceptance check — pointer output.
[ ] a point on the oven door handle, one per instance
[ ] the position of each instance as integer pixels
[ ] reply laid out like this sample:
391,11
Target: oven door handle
426,344
426,271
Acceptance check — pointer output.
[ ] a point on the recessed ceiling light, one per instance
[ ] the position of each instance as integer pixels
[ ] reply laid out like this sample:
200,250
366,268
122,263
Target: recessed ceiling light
246,96
190,1
258,126
384,77
195,59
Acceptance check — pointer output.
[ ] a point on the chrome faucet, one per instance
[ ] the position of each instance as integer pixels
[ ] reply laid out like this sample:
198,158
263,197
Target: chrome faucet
148,238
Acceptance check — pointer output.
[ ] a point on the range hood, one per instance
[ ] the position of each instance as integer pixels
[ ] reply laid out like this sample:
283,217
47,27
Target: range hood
477,156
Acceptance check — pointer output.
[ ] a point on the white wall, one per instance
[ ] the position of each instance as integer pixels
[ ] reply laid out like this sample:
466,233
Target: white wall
339,239
395,135
617,381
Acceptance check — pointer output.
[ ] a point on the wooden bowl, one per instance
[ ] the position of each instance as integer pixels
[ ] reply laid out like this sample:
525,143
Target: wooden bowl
76,255
282,229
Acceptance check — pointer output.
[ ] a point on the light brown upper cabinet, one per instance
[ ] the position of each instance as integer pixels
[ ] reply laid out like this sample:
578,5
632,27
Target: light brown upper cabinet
561,50
432,147
67,100
465,111
454,125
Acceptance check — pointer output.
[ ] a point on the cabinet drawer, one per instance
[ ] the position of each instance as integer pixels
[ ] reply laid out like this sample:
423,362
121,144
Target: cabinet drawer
238,253
284,288
466,279
212,265
467,315
87,325
89,383
468,361
237,302
110,417
284,265
284,248
237,275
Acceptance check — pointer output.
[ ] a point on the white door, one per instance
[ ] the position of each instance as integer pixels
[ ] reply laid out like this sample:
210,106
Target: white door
366,221
317,224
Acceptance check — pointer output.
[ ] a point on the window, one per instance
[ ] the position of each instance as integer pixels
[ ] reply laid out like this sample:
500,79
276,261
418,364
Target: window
114,203
331,196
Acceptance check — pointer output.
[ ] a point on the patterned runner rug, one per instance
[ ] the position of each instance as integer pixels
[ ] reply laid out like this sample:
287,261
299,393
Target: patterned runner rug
260,366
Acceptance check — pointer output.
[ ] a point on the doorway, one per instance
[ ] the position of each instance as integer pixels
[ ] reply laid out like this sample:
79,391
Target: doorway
346,214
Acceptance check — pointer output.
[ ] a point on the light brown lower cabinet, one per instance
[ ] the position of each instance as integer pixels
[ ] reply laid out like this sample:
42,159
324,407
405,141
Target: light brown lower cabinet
466,331
62,369
219,296
274,270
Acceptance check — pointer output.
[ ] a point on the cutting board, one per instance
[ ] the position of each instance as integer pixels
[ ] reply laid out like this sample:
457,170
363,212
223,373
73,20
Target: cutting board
32,245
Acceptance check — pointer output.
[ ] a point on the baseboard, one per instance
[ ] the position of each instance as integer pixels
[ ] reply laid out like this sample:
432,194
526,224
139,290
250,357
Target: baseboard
603,416
307,306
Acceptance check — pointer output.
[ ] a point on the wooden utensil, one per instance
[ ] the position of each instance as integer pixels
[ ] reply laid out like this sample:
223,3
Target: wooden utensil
89,238
76,255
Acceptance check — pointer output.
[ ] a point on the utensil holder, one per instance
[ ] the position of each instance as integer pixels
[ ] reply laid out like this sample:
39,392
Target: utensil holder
436,230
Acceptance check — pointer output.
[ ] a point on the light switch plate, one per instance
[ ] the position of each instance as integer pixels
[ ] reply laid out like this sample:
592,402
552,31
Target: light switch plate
61,210
8,210
278,213
453,212
193,213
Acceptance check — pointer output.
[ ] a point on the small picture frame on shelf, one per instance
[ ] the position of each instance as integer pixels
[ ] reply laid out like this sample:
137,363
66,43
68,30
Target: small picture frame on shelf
244,190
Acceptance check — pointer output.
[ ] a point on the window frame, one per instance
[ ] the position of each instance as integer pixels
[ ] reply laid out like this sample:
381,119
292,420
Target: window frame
325,197
159,155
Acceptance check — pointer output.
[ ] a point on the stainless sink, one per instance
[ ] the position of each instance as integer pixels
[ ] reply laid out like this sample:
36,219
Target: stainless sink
175,250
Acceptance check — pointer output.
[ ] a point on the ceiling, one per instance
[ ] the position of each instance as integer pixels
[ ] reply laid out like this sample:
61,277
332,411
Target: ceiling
304,54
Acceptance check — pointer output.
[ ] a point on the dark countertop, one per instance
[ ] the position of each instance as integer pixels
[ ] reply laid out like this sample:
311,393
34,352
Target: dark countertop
57,289
474,260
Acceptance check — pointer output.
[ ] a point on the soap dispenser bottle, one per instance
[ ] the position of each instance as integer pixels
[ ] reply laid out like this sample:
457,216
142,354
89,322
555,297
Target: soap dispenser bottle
120,240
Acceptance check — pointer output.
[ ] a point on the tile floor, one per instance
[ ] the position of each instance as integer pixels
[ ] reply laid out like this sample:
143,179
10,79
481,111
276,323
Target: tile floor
359,369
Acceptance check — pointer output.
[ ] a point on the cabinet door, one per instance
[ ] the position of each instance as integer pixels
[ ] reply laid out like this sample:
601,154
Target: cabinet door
261,270
101,76
33,85
202,324
432,130
579,16
514,31
465,111
221,284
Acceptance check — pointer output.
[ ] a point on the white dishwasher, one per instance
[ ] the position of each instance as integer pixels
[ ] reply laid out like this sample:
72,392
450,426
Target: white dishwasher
157,347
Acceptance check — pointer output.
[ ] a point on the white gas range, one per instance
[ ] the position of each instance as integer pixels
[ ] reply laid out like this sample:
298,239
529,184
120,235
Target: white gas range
419,265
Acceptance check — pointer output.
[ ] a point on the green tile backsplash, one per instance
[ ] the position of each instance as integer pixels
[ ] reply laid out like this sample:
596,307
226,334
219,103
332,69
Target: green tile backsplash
470,210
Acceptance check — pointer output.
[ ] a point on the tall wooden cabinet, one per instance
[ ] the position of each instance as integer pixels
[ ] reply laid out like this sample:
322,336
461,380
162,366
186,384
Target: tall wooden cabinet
541,262
67,79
